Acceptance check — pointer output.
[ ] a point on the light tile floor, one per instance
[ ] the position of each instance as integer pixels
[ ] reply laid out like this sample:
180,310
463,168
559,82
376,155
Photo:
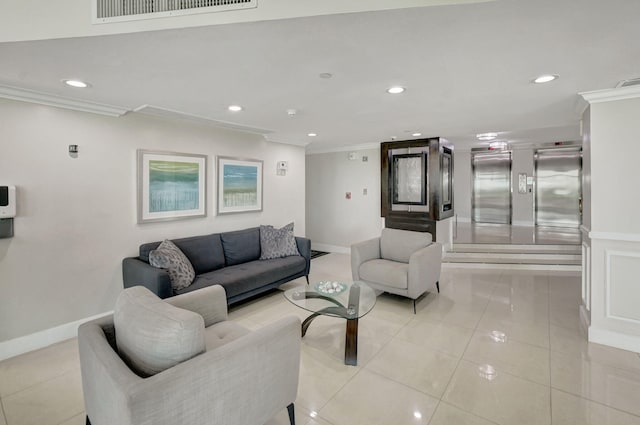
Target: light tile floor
449,364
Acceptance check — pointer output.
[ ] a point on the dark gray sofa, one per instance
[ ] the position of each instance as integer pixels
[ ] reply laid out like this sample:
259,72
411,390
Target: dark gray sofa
230,259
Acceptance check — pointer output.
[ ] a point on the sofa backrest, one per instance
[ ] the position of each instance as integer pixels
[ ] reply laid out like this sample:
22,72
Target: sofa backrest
204,252
398,245
241,246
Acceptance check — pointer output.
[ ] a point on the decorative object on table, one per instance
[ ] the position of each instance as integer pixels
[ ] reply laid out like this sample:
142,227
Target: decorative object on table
330,288
239,185
171,186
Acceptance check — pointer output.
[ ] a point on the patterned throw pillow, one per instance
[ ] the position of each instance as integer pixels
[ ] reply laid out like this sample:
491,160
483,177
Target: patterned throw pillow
277,243
169,257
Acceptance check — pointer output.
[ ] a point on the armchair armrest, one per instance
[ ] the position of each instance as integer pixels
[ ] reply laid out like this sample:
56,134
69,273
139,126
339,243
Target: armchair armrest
424,269
304,248
361,252
136,272
209,302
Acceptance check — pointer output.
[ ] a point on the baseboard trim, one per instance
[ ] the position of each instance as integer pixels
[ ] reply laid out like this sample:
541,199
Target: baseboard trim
615,339
585,318
330,248
24,344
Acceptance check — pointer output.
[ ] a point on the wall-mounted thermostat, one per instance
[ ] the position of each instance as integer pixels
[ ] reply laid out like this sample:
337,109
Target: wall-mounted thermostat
7,201
281,168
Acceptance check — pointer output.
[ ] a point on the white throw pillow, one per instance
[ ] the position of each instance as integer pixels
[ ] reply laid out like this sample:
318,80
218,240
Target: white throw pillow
152,335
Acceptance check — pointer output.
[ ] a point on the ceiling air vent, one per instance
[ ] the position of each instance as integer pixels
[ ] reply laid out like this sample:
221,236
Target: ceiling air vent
627,83
129,10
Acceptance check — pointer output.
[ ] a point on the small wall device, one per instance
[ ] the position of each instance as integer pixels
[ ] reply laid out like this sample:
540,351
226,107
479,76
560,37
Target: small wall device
7,201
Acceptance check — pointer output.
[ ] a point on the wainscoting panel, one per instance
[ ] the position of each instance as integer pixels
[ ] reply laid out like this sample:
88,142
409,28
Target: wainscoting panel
621,285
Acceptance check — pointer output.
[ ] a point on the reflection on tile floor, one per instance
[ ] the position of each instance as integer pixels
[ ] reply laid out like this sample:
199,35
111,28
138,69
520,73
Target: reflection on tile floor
495,347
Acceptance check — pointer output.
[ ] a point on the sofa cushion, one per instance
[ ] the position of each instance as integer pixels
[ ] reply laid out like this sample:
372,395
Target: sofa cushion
204,252
246,277
398,245
385,272
241,246
152,335
277,243
169,257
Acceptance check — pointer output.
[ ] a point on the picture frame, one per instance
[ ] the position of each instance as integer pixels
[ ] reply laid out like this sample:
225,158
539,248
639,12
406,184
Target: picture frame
239,185
171,186
409,179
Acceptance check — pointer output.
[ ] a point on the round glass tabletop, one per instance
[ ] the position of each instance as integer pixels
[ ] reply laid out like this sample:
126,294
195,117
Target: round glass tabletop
339,299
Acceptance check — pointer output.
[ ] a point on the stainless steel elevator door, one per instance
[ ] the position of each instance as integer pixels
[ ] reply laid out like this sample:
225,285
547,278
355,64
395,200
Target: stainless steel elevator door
558,187
491,199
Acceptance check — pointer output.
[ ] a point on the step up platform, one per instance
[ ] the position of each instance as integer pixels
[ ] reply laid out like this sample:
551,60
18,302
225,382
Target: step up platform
510,254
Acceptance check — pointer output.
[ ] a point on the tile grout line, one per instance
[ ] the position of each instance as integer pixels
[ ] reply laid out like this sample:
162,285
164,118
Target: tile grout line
4,415
461,357
42,382
598,403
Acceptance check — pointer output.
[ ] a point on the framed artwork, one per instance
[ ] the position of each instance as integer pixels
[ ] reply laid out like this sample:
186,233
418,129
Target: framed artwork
239,185
171,186
409,181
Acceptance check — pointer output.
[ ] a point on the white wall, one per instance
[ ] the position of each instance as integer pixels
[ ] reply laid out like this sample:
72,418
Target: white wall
77,217
334,222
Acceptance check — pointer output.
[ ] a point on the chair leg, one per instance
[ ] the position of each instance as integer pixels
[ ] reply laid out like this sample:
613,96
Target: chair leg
438,286
88,421
292,415
307,276
414,306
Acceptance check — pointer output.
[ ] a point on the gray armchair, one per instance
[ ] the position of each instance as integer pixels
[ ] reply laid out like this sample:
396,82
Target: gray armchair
399,262
179,361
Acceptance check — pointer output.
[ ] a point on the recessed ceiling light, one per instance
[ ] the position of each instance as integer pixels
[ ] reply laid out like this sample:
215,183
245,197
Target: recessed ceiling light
486,136
417,134
235,108
545,79
76,83
312,134
395,90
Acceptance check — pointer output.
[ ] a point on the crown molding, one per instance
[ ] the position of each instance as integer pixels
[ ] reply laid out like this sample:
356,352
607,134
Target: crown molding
609,95
41,98
317,150
157,111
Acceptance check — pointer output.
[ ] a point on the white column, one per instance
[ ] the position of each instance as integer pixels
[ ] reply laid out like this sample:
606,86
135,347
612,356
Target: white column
611,267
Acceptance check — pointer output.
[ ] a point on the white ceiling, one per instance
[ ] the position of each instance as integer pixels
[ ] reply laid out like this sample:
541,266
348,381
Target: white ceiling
467,70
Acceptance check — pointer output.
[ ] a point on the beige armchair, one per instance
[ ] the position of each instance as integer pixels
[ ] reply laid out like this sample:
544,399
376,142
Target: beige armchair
179,361
399,262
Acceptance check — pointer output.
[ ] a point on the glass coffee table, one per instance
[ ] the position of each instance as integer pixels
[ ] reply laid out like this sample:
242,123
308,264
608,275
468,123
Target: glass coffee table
346,300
